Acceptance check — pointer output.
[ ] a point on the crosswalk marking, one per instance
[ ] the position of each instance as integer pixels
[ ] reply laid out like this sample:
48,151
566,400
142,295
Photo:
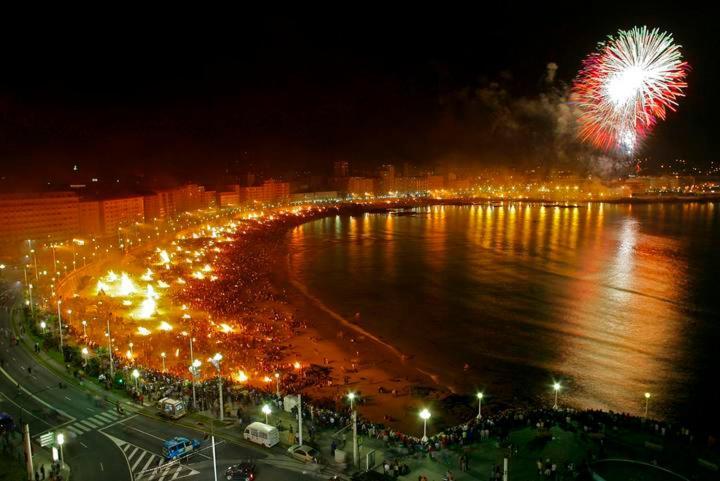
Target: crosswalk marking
138,459
101,419
148,466
82,426
92,424
150,460
75,430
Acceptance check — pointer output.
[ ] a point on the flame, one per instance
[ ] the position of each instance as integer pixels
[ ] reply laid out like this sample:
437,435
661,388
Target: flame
126,285
101,286
148,306
226,328
165,326
143,331
241,376
147,276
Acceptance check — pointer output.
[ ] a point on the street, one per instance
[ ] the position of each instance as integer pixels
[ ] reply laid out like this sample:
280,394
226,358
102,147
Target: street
100,443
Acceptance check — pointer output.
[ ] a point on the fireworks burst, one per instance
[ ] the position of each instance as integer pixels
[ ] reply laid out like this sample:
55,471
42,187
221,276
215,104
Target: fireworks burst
627,86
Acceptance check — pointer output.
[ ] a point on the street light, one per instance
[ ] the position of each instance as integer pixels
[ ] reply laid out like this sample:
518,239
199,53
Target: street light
647,403
136,375
215,360
162,355
266,410
556,388
277,384
84,354
60,441
425,415
480,398
43,325
32,305
60,326
351,397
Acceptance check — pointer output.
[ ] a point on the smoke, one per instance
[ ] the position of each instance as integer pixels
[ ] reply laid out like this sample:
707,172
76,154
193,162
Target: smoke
490,123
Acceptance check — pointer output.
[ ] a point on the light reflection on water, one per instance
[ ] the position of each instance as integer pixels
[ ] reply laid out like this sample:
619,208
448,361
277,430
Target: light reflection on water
613,300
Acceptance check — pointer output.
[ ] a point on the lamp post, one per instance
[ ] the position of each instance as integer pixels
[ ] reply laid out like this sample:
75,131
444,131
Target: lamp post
60,441
32,305
112,372
84,355
277,384
43,326
647,403
351,398
266,411
136,375
194,370
556,388
480,398
215,360
84,325
162,355
60,327
425,415
192,363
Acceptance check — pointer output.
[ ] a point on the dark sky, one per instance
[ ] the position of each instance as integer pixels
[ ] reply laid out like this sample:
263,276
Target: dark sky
189,94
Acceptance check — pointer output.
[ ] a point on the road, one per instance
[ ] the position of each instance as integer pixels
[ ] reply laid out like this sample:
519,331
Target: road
102,444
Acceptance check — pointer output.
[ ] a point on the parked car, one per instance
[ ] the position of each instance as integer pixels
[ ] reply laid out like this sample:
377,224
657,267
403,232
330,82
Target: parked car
244,471
261,433
304,453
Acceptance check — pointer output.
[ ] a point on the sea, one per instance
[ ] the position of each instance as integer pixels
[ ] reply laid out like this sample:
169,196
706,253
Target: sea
612,301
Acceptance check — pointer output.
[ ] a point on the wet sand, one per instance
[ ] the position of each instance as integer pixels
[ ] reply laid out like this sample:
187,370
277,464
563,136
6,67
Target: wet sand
370,363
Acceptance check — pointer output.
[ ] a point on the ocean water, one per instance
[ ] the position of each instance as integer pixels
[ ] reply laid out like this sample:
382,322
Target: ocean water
610,300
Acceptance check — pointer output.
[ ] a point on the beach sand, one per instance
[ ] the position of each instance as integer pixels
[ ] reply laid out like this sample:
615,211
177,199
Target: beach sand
369,363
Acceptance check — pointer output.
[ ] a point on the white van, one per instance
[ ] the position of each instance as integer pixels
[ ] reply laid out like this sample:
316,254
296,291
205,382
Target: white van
262,433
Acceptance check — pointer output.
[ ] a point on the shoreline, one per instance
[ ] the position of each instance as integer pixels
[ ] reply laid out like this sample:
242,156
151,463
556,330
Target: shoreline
391,392
329,340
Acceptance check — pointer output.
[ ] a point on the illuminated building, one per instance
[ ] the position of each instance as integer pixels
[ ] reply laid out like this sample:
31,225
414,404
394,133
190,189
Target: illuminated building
38,216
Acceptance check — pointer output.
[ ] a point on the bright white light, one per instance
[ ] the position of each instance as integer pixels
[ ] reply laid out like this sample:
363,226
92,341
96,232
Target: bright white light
624,85
425,414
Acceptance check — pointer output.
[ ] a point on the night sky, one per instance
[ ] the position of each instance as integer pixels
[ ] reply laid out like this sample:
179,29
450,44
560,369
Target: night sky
186,97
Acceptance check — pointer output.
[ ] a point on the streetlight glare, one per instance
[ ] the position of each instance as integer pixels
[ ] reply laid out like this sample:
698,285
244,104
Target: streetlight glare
425,414
61,439
556,386
480,395
135,373
647,395
84,350
196,363
351,395
217,356
266,409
